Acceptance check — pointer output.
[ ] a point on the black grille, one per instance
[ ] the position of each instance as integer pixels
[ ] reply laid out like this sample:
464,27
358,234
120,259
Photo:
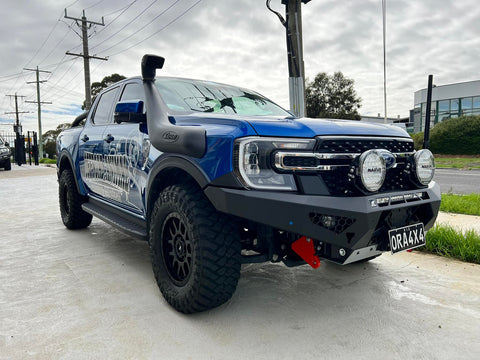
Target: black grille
299,161
312,162
338,224
339,183
357,146
337,180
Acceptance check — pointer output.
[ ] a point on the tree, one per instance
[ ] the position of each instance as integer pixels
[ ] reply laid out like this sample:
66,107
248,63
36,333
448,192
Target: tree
50,139
332,97
97,87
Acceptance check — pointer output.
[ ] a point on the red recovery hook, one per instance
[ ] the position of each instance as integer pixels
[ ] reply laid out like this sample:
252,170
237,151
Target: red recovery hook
305,249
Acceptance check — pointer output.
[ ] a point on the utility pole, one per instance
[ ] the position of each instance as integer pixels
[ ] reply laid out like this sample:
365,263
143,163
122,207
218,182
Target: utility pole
296,67
85,25
17,128
38,81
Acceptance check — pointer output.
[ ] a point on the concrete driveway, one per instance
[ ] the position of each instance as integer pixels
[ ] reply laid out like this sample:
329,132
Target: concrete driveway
91,294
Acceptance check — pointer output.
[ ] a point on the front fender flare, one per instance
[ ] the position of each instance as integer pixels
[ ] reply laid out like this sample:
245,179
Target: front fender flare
176,162
66,155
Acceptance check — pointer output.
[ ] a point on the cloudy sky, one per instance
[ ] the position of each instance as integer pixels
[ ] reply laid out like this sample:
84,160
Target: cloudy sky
236,42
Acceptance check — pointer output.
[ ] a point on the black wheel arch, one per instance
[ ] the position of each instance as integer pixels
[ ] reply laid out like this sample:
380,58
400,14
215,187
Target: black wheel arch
169,171
65,161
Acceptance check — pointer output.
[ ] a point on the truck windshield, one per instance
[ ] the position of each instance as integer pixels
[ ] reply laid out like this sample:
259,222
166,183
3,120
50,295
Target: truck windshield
205,96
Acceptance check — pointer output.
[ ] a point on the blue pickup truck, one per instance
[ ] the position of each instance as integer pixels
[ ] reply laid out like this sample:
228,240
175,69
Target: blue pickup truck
214,176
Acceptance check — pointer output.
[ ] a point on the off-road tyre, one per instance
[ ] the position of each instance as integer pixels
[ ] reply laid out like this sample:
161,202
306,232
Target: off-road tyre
195,250
73,216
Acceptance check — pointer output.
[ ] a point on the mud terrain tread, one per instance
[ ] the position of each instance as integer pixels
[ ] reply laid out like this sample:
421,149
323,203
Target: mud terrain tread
216,264
73,216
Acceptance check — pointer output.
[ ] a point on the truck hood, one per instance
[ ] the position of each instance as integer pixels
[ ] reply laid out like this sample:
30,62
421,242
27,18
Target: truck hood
306,127
292,127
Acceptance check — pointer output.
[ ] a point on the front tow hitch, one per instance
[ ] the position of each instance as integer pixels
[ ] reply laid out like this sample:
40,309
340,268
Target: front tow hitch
305,248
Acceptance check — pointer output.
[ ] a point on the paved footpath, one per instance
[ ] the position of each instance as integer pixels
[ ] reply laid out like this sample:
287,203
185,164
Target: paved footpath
27,170
91,294
459,221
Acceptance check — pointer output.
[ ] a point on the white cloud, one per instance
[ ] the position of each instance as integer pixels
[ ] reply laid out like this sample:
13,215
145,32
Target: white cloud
238,42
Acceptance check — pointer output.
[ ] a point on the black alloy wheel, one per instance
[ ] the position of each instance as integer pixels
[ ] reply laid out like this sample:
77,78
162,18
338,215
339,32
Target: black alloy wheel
195,250
177,249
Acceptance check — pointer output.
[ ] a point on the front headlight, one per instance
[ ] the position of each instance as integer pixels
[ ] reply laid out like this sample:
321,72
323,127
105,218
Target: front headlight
253,161
372,170
424,166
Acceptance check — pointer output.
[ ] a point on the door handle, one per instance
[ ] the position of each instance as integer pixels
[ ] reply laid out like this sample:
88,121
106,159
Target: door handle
85,138
109,138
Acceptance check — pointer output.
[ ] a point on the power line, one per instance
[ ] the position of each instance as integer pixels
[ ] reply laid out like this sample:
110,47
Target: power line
65,73
116,17
85,55
56,46
91,6
73,86
71,4
143,27
41,46
10,77
13,87
16,112
39,103
128,23
156,32
126,6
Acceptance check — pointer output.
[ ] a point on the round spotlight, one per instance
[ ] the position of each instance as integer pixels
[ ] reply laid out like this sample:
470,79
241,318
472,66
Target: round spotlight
372,170
424,166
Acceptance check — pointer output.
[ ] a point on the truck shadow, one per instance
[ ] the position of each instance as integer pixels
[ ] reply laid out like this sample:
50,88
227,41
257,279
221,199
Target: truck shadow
266,290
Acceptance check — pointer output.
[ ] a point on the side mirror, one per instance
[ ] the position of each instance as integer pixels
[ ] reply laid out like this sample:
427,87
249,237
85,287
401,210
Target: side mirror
129,111
7,144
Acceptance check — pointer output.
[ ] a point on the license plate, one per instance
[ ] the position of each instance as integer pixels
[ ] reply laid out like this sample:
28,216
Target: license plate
406,238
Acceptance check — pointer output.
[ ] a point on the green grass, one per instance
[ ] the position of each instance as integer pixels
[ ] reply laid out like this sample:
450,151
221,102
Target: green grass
457,162
461,204
47,161
446,241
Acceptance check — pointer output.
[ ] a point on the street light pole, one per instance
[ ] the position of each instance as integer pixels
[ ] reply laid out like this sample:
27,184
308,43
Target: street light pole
384,16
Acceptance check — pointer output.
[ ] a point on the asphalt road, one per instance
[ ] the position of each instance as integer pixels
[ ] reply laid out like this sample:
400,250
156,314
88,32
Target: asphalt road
458,181
91,294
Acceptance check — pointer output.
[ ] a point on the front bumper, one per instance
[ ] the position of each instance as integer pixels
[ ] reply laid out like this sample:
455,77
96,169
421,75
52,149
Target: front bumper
343,222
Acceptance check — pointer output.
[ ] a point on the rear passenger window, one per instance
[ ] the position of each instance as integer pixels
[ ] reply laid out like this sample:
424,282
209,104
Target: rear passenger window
103,112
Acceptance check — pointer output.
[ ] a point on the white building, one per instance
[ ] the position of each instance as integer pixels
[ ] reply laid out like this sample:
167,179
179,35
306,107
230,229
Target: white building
448,101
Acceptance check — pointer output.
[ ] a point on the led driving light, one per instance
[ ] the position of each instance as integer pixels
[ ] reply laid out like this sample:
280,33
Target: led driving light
424,166
372,170
253,164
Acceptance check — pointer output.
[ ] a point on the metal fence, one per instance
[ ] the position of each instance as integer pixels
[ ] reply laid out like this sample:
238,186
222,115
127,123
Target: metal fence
24,147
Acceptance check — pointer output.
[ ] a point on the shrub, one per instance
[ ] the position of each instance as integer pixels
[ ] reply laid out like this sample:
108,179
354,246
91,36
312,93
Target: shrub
458,136
47,161
417,140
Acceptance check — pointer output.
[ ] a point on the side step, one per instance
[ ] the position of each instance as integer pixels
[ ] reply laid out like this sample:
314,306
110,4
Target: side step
123,222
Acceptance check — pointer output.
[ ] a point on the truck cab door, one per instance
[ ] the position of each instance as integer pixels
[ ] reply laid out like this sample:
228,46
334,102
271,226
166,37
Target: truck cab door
126,150
92,143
